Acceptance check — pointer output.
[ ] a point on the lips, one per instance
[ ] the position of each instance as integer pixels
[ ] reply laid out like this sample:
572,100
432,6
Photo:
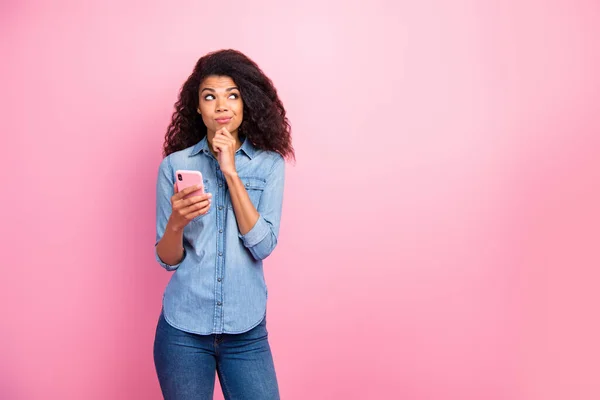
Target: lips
223,120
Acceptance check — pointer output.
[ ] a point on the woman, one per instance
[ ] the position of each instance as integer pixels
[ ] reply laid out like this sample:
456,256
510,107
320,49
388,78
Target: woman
230,125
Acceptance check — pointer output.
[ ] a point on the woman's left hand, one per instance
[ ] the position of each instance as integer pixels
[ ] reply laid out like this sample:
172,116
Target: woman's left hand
224,145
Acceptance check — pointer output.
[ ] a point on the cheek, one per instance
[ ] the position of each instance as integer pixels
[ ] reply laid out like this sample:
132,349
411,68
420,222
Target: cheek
207,121
205,113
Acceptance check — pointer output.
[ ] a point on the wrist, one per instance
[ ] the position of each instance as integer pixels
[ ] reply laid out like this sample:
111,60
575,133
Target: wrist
230,174
173,227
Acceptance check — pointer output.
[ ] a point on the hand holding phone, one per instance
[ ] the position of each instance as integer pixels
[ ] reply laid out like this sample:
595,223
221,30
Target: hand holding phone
189,200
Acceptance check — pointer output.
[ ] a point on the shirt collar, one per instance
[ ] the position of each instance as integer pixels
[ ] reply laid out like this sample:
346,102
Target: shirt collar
202,147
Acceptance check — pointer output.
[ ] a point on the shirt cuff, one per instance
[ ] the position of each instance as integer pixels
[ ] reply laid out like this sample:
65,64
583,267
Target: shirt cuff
168,267
259,231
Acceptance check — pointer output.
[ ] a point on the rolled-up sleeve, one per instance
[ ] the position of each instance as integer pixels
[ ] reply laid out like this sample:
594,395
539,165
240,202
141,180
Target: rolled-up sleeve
262,238
164,191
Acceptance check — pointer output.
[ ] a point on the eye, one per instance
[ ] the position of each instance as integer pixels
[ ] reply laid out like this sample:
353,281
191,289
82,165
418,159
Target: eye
234,96
209,97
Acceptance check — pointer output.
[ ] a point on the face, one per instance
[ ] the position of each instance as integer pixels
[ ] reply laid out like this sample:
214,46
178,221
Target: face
220,104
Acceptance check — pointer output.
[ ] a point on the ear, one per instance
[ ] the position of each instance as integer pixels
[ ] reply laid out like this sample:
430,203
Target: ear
198,111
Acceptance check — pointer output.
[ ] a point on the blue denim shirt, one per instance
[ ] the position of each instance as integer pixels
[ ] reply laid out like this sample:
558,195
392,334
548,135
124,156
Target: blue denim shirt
219,285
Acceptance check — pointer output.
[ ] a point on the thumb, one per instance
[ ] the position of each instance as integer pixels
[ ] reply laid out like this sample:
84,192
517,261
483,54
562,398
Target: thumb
175,188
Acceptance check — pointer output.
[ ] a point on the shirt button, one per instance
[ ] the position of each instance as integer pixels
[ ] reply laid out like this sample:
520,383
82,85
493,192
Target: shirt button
220,254
219,279
220,230
247,185
220,185
218,303
220,207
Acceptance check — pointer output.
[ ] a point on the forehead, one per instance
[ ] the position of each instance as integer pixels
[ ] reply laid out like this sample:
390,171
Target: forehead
217,82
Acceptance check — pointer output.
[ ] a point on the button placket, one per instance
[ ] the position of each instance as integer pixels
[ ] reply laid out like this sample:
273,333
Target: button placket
220,268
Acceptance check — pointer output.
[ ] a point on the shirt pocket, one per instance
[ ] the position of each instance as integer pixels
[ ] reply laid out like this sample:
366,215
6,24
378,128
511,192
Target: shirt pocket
254,187
207,188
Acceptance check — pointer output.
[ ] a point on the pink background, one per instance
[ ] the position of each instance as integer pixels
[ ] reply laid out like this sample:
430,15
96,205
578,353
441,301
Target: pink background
440,236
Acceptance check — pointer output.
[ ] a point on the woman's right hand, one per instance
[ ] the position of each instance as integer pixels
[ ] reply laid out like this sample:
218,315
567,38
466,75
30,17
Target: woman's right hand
185,210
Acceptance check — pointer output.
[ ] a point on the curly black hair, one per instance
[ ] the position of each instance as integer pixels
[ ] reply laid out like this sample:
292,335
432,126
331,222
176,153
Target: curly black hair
265,123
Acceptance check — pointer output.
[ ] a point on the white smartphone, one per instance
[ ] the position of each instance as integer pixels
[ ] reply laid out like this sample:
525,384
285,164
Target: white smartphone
187,178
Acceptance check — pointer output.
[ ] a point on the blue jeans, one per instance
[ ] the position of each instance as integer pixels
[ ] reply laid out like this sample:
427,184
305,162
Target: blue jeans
186,364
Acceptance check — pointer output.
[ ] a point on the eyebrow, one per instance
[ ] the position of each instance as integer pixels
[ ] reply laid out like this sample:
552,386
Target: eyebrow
213,90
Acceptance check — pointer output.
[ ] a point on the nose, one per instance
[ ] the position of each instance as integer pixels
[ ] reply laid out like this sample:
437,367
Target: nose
221,105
